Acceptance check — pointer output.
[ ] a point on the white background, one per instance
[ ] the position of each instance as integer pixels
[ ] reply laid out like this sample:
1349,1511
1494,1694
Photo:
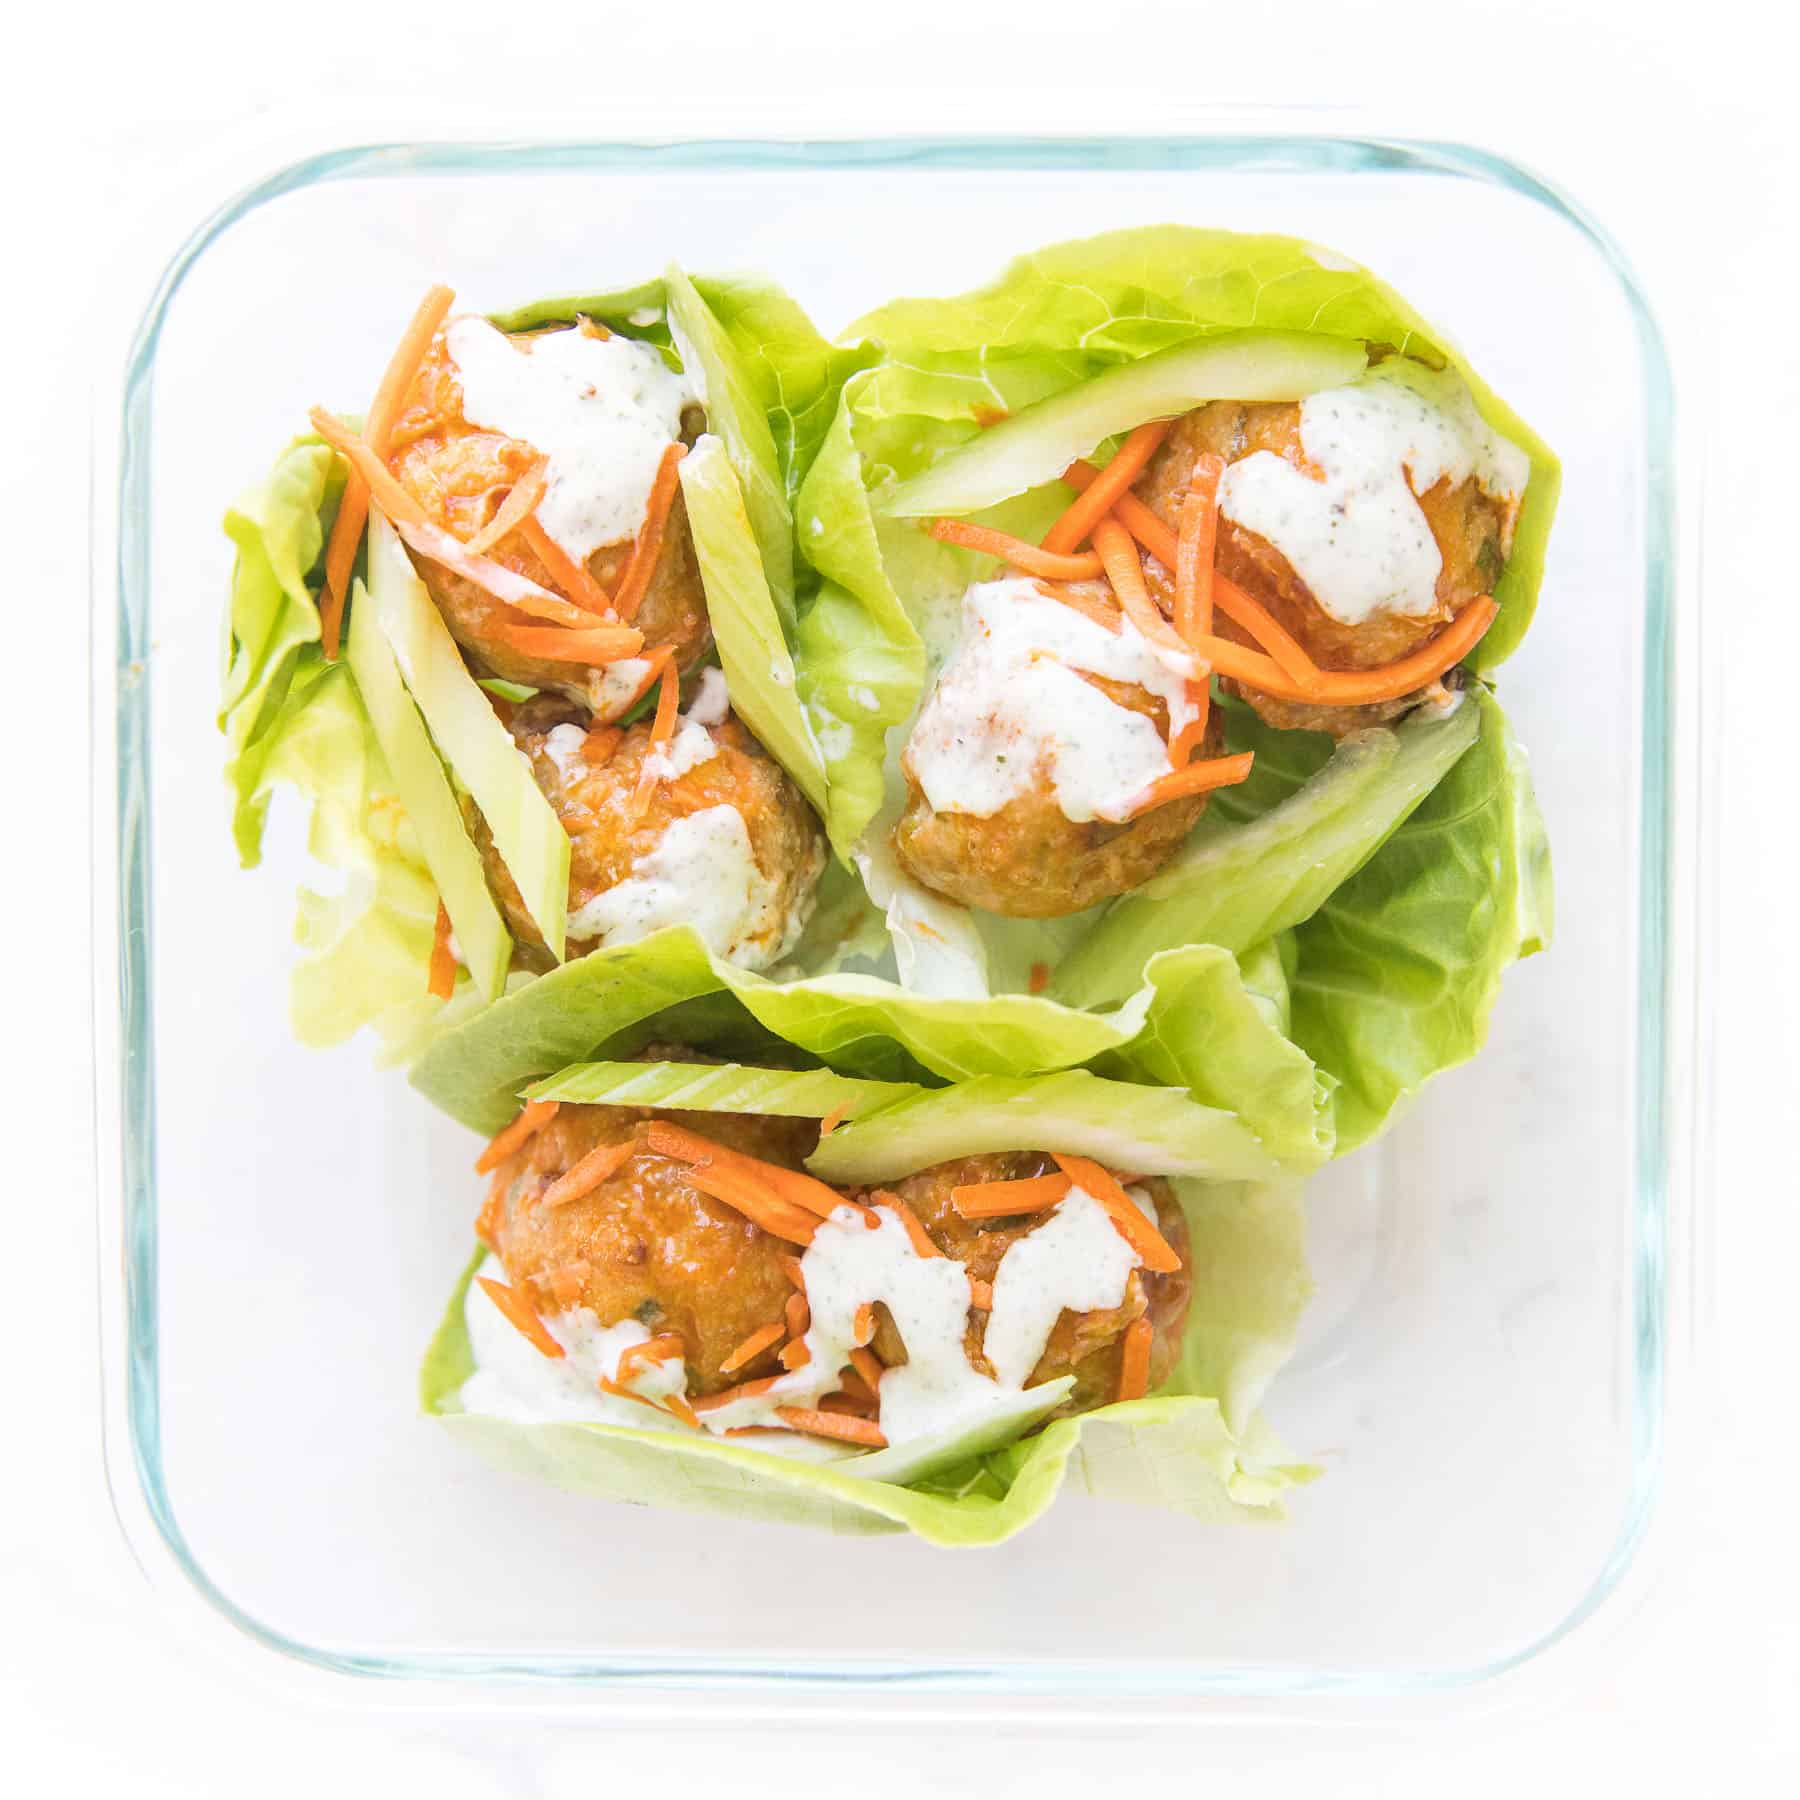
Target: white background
1673,126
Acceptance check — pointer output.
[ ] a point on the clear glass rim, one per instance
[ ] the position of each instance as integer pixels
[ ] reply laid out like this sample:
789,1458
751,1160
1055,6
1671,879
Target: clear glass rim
128,981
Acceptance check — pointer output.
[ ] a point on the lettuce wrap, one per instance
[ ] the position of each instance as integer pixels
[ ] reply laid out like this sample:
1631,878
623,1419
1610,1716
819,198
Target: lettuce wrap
1199,1445
384,744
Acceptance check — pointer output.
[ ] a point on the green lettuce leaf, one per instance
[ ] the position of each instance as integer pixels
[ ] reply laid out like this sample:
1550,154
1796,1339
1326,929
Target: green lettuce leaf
721,1087
1194,1024
759,668
1178,1449
1397,973
1267,856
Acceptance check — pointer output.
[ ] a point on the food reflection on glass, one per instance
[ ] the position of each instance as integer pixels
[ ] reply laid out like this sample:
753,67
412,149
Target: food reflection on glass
1032,766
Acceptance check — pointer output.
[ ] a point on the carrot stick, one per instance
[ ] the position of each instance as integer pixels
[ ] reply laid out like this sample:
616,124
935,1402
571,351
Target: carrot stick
1193,734
843,1426
1001,1199
568,574
909,1220
798,1189
862,1327
620,1391
745,1390
981,1295
1091,607
1132,513
832,1120
636,580
680,1406
599,1165
515,510
1288,653
1195,547
842,1402
1089,508
795,1355
565,1281
1194,778
753,1346
353,508
662,1348
795,1273
596,644
1030,557
1151,1246
1134,1361
869,1366
531,1119
1126,574
662,729
441,981
749,1197
522,1314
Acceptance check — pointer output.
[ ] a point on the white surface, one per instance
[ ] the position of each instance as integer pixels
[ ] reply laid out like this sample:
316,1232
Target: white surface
1675,138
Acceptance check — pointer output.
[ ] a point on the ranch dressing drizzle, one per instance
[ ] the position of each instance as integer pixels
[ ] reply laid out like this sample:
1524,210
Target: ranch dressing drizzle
1358,538
702,873
1075,1260
603,410
1010,710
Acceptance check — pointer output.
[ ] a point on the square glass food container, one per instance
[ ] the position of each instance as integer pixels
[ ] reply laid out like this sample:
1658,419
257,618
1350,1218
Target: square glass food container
1482,1373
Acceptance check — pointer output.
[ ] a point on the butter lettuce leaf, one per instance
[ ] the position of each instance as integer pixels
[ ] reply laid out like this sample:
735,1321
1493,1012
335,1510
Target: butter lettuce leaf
1177,1449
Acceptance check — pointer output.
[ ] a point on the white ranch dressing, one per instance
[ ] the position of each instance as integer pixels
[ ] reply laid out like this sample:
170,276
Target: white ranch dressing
702,873
618,687
691,746
1076,1260
712,698
603,410
1358,538
563,745
1010,710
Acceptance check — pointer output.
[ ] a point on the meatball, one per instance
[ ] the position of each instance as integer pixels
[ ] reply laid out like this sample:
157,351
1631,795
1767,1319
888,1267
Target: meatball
1028,858
461,474
1471,528
646,1244
1087,1345
741,866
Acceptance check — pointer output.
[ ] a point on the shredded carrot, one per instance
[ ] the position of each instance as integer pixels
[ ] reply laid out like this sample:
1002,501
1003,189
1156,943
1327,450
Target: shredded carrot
583,1177
1196,546
620,1391
662,729
1039,978
909,1220
1134,1361
634,583
804,1191
515,510
353,508
797,1316
1193,734
441,982
1001,1199
1287,652
522,1314
794,1354
530,1120
663,1348
869,1366
1193,778
753,1346
384,486
1150,1244
832,1425
843,1403
795,1273
862,1327
655,663
745,1390
1033,559
600,744
763,1209
1132,513
1126,574
591,327
568,574
680,1406
487,1221
852,1385
1088,508
592,644
981,1295
833,1119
